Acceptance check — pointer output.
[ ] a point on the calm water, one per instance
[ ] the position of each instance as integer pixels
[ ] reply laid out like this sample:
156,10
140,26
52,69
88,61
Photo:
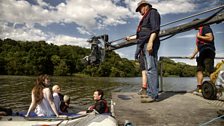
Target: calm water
15,91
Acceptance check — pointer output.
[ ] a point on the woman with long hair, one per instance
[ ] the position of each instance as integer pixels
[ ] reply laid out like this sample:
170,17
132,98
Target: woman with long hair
42,100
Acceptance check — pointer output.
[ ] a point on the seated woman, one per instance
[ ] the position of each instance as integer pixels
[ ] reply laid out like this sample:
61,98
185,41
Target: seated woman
42,100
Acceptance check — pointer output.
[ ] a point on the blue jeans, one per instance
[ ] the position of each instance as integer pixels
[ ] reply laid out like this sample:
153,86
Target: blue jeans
151,65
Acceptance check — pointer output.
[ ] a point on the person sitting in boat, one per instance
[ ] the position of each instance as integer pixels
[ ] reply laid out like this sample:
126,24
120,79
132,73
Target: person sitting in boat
42,100
5,111
100,104
58,97
61,101
65,104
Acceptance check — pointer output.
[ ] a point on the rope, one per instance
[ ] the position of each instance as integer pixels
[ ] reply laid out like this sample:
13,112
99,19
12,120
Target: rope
204,124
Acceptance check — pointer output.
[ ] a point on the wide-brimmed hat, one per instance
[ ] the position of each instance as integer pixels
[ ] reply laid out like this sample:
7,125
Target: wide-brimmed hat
141,3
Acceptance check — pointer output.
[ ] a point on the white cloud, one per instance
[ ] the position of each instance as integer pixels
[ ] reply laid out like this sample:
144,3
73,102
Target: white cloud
166,6
43,4
187,61
31,34
83,13
121,54
173,6
83,30
131,5
89,15
68,40
22,12
22,33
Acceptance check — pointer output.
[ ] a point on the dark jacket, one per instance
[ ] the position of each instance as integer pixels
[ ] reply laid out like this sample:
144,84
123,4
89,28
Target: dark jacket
150,24
204,46
100,106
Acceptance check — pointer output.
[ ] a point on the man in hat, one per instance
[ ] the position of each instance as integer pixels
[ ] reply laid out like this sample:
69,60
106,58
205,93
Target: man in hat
148,43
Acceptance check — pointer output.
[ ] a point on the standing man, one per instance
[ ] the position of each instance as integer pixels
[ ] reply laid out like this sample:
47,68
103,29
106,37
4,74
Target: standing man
206,48
148,42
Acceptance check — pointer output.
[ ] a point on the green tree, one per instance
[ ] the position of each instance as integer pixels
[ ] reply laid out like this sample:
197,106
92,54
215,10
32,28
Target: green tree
61,69
38,57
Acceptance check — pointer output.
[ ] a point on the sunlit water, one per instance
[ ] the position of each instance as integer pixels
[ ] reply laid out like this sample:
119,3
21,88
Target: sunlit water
15,91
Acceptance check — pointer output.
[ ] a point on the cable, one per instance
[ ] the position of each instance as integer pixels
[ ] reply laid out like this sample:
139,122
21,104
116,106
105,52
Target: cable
222,6
167,37
204,124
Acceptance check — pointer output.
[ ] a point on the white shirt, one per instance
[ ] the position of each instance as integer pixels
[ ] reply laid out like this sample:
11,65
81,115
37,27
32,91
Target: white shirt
57,102
44,108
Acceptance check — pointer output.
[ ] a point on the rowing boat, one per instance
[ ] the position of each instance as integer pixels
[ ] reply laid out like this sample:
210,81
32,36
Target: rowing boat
91,119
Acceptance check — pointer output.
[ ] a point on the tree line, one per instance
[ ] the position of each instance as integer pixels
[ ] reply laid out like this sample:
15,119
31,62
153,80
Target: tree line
171,68
34,58
38,57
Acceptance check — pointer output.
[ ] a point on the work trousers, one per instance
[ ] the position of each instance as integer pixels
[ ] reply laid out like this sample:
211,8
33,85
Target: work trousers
151,65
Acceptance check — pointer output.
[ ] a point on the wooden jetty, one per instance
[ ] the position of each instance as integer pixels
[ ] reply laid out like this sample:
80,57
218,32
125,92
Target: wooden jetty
173,109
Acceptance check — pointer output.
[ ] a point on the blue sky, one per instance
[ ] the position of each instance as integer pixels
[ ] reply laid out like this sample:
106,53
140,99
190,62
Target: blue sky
72,22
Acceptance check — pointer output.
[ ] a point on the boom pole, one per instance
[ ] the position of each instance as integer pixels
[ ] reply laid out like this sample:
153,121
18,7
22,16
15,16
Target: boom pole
214,19
100,44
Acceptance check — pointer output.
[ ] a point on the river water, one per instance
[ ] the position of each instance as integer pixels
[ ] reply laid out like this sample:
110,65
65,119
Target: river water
15,91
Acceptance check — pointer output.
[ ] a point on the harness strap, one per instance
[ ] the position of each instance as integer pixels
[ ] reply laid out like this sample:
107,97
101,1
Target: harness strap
200,41
140,23
106,107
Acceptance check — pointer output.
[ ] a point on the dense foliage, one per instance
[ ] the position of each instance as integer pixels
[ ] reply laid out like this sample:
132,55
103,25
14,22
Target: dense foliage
34,58
170,68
